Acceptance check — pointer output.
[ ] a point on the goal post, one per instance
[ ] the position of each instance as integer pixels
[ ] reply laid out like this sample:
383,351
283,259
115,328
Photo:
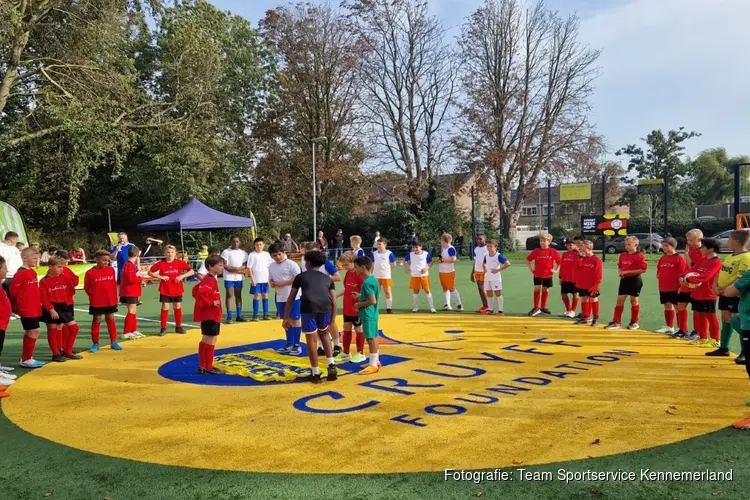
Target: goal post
742,221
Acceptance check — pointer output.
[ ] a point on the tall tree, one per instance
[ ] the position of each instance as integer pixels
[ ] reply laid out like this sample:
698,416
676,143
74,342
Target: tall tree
711,177
317,94
409,74
528,79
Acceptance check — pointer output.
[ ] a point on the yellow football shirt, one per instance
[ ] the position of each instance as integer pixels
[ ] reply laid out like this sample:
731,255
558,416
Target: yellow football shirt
733,267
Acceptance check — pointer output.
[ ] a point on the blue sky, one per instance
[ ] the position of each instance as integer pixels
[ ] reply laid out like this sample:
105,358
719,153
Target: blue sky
664,64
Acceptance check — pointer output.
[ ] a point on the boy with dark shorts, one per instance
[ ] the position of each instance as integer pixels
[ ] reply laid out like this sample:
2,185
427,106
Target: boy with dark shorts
588,282
100,284
25,296
546,261
733,268
368,309
131,289
670,268
631,265
318,309
352,284
171,272
701,279
567,272
207,311
55,288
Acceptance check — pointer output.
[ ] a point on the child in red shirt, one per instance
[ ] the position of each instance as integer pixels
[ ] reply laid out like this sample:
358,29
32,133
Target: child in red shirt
171,272
131,286
701,279
693,255
588,282
352,284
56,289
100,284
6,378
670,268
207,312
69,335
568,268
631,265
546,262
24,294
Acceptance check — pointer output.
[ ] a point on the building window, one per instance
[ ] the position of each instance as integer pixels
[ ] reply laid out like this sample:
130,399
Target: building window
529,211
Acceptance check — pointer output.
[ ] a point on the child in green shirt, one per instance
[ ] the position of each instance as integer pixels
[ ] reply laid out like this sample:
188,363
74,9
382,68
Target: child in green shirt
367,307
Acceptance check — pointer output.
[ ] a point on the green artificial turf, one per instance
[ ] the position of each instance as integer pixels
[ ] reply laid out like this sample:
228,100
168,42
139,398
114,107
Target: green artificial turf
31,467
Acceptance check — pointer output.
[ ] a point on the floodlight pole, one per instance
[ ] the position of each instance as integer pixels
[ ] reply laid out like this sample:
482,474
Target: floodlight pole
315,141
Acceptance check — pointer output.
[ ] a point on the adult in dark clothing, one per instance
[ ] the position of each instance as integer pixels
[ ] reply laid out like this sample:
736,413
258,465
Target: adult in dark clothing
459,243
148,250
338,243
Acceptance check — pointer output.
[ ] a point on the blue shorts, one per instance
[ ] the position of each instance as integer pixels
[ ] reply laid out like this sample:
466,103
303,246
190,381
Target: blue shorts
314,322
293,314
259,288
233,284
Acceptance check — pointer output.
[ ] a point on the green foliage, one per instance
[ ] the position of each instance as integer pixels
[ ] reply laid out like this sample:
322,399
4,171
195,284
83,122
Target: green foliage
678,227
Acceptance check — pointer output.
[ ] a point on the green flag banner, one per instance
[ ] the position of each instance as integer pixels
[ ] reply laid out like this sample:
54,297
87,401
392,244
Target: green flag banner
10,220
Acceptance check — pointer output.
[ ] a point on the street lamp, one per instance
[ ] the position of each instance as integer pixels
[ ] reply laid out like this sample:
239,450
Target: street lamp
315,140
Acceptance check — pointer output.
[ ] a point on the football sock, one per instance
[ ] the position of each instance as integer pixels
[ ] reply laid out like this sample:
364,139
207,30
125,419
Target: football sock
430,302
202,355
595,308
500,301
374,359
128,326
27,351
229,314
682,320
112,330
95,327
210,356
52,340
566,302
545,296
163,317
634,313
574,305
456,297
360,342
713,326
178,318
256,305
239,311
288,334
415,298
447,298
347,341
265,307
315,370
700,323
669,318
726,335
389,303
617,318
586,309
296,334
537,297
330,361
70,339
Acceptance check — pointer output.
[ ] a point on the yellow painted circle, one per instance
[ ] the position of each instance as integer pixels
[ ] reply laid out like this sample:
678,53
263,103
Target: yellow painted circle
625,392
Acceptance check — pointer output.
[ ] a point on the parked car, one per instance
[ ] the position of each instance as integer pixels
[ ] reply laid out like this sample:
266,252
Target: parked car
723,238
650,243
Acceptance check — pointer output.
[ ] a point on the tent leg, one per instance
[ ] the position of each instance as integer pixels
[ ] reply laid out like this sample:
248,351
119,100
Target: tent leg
210,239
182,242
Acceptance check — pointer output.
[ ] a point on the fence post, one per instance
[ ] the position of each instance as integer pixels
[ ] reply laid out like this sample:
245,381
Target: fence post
604,211
549,206
473,226
737,194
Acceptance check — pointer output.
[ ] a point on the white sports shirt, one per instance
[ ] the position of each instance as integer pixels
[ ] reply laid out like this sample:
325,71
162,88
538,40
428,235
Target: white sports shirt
234,258
493,262
447,253
382,264
259,262
285,271
418,262
479,254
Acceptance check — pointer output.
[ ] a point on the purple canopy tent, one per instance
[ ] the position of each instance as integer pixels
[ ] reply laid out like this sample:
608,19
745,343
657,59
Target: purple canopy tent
195,216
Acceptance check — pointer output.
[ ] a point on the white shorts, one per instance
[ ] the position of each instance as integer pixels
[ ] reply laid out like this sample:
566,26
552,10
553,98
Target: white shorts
494,286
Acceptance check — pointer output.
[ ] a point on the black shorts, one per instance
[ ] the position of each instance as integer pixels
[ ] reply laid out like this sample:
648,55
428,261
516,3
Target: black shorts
585,293
683,297
545,282
210,328
704,306
731,304
164,299
129,300
567,287
100,311
669,297
64,311
630,285
354,320
30,323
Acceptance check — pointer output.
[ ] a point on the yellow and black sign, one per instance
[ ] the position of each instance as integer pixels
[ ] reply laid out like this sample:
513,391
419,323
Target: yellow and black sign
607,225
573,192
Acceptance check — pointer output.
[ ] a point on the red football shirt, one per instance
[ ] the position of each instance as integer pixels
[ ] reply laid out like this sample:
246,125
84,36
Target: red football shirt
544,261
24,292
130,282
170,287
352,283
669,269
5,310
205,293
694,256
569,265
589,275
708,273
55,290
100,284
632,261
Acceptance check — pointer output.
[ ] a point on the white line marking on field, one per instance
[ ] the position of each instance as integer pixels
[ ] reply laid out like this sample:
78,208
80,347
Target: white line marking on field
149,320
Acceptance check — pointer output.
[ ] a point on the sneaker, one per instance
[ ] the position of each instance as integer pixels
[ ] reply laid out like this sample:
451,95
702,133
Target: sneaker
255,319
115,346
241,319
72,356
665,329
342,358
321,352
4,368
203,371
138,335
459,308
94,348
14,316
679,334
285,349
229,321
163,331
483,309
740,360
369,370
582,321
433,310
580,316
415,310
59,358
266,317
742,424
499,313
572,314
389,311
488,312
595,323
534,312
139,303
7,376
31,363
214,371
718,352
634,326
332,373
699,341
6,382
692,337
613,326
712,343
181,330
296,350
336,350
546,311
446,307
128,336
359,358
564,314
315,379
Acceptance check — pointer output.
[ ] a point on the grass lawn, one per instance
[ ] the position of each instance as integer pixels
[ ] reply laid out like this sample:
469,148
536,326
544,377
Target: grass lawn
32,467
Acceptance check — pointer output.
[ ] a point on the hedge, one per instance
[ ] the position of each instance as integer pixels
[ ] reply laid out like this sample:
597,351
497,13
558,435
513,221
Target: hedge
677,228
